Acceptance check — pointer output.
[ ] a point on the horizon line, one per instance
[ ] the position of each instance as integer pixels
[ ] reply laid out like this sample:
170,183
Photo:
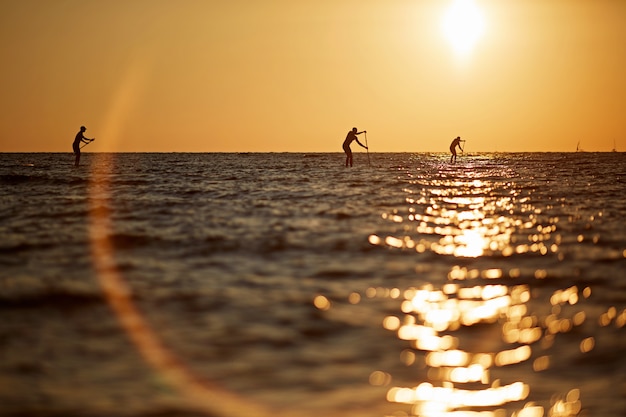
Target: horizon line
311,152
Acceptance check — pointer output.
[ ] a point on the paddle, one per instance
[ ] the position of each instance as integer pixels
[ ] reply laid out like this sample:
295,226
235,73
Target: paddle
91,140
367,148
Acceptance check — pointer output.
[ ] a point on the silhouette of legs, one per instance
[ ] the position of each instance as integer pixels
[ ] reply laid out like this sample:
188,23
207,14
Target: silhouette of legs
348,152
76,149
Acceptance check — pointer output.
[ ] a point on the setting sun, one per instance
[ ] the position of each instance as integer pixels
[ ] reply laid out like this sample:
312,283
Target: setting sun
463,25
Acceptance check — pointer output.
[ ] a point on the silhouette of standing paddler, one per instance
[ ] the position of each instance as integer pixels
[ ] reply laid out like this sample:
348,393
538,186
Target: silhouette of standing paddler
80,138
456,142
350,137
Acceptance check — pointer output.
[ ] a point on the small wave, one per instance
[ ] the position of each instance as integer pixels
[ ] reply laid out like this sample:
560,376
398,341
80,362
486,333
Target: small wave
341,215
14,178
8,247
17,179
334,273
131,182
129,240
40,297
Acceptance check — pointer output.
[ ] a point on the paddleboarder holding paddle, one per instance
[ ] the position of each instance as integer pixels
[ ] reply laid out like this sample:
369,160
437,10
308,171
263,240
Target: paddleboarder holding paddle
80,138
350,137
456,142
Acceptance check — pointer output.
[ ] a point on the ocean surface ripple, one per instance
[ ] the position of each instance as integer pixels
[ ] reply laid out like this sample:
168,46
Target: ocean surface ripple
285,284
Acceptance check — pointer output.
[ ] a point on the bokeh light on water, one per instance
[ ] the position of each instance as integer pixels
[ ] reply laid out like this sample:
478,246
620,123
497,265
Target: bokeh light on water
483,374
463,375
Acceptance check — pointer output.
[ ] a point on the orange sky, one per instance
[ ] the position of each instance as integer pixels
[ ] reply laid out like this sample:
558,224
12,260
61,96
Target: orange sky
295,76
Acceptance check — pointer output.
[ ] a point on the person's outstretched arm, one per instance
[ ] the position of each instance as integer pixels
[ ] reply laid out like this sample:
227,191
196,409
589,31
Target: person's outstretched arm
357,140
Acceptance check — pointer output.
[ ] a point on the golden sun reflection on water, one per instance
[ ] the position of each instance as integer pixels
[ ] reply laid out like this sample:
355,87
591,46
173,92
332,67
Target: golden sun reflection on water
474,218
459,378
469,219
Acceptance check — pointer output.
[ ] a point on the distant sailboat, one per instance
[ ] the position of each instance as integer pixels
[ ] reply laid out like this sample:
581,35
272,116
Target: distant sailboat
614,148
578,148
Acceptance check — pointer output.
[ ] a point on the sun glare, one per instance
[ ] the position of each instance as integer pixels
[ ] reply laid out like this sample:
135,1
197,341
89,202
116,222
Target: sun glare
463,25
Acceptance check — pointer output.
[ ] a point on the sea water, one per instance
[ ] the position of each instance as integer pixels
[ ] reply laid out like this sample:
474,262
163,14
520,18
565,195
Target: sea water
286,284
